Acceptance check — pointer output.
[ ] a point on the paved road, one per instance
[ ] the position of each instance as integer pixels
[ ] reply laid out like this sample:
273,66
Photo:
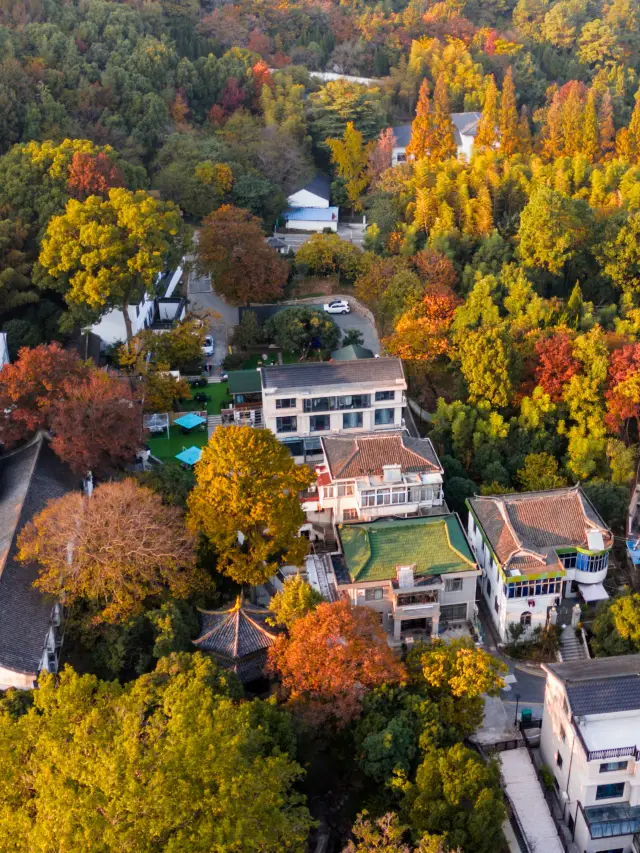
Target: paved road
357,321
353,234
202,296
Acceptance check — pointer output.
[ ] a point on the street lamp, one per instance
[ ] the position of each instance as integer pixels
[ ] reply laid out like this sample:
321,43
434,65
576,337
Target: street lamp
515,719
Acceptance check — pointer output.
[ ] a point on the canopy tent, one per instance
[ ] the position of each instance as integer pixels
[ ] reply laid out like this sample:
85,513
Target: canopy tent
156,423
190,456
189,421
593,591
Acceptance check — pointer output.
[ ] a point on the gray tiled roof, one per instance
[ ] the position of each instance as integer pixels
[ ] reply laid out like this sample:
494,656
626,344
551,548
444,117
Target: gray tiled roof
464,124
366,454
379,371
29,477
319,185
601,686
235,632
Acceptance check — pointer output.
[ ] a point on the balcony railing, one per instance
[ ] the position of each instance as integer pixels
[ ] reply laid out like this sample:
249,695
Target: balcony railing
604,754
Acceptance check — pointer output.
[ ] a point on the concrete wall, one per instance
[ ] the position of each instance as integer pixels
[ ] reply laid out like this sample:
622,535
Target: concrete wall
311,225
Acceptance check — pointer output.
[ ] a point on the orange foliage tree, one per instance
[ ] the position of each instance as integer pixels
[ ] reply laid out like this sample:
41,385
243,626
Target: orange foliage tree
556,364
422,333
623,395
30,386
96,423
331,659
112,551
92,174
231,247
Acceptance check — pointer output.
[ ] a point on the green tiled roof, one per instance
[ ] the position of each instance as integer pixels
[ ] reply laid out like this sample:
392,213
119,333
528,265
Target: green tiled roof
244,382
435,545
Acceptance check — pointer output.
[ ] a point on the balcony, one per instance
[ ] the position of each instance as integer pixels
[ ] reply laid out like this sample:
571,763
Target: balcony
609,821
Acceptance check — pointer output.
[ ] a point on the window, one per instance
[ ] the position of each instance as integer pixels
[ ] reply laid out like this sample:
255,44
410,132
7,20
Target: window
532,589
453,584
352,420
525,618
383,497
354,401
286,424
420,494
401,158
350,515
328,492
319,423
453,612
385,395
319,404
559,761
569,560
375,593
610,792
398,496
384,416
285,403
344,489
610,766
409,598
592,563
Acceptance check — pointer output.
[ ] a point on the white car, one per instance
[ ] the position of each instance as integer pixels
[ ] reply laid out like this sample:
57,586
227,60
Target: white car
209,347
337,306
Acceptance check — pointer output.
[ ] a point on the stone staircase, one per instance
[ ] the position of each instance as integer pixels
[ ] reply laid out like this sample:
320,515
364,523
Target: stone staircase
571,646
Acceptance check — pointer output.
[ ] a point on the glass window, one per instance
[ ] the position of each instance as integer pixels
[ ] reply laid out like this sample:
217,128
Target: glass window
345,489
383,497
525,618
285,403
320,404
453,584
328,492
375,593
289,424
319,423
354,401
352,420
453,612
350,514
610,766
368,498
408,598
398,496
384,416
385,395
610,792
419,494
569,560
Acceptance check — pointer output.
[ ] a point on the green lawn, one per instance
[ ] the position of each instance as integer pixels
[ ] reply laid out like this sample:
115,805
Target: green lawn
218,394
287,357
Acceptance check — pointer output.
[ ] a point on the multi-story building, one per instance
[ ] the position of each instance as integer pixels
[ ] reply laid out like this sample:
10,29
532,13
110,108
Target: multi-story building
301,403
591,741
418,573
370,475
535,549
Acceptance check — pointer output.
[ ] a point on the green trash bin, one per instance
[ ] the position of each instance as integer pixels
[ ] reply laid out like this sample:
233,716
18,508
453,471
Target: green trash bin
526,715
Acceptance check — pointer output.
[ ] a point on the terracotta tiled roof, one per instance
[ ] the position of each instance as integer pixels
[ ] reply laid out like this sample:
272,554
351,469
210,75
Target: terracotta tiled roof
362,455
235,632
525,529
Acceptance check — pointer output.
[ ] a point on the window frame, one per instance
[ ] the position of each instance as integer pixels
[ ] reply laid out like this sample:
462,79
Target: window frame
378,414
383,396
286,403
613,766
312,422
279,424
374,593
609,791
453,584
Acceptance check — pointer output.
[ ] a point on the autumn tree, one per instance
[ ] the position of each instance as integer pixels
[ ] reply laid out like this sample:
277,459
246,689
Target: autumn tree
161,390
136,751
381,155
112,551
328,254
421,140
623,392
298,328
178,347
232,249
294,600
106,253
435,269
330,659
422,333
443,145
31,385
616,628
508,118
487,361
486,136
93,174
246,503
388,835
350,155
540,471
556,363
553,230
96,423
590,142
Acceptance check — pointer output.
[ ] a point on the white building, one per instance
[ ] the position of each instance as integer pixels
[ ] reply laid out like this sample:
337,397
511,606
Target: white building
368,476
4,350
157,313
30,627
301,403
591,741
465,128
309,208
535,549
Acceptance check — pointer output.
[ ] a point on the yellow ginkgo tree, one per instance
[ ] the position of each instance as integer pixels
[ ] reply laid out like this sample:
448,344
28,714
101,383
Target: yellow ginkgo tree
106,253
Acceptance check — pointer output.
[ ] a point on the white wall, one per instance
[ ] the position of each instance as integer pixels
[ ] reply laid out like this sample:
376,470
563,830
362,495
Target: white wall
111,328
4,350
311,225
463,150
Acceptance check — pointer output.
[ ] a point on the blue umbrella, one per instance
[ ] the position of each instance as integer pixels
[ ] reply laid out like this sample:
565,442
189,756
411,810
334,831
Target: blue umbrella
189,421
190,456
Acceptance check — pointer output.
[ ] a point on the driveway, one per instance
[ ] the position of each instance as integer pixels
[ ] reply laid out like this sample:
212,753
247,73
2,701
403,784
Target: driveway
202,296
351,233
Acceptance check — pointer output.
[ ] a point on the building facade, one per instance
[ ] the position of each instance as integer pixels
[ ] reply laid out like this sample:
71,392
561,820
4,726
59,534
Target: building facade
590,739
373,475
534,549
301,403
418,573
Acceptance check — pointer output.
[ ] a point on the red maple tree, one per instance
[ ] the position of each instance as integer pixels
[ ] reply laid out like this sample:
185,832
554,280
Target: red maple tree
435,269
30,386
96,423
556,364
331,659
623,393
231,247
92,174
